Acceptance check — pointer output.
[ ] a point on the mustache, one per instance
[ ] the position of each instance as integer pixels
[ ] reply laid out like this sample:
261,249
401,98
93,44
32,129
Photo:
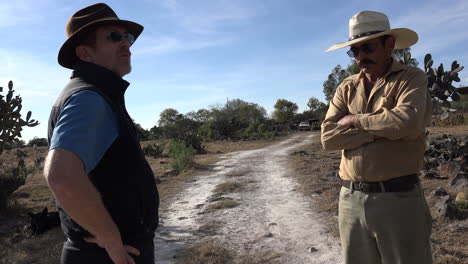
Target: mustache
366,61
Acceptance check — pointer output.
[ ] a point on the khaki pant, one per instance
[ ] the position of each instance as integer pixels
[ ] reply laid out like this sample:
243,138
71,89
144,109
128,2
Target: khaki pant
385,228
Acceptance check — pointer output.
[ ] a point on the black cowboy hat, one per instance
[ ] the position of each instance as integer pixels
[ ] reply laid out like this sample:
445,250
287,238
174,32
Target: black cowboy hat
80,24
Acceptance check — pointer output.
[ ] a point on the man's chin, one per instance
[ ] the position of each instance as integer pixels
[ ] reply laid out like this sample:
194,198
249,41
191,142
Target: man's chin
366,69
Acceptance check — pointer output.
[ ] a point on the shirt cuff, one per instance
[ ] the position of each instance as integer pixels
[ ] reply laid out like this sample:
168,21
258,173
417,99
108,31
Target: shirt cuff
361,122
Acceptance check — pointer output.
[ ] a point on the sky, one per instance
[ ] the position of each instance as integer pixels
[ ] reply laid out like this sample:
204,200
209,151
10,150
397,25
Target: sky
196,54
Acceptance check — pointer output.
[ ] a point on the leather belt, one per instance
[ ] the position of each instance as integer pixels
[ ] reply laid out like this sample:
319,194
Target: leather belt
400,184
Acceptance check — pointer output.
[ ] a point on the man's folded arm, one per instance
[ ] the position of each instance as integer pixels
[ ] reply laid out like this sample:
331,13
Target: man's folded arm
336,137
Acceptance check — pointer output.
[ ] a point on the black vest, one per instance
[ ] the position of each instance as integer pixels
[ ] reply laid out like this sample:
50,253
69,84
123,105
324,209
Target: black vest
123,177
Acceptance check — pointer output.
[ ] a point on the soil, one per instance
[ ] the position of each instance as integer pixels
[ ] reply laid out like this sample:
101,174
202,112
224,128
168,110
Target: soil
243,202
270,214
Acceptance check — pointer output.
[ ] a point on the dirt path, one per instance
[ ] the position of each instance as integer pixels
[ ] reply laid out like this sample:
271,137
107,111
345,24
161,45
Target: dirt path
271,216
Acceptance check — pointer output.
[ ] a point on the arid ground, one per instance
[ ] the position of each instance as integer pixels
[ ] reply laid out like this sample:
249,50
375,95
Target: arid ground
243,202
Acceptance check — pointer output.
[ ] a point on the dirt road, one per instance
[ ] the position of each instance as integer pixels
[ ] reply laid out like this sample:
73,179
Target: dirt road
271,216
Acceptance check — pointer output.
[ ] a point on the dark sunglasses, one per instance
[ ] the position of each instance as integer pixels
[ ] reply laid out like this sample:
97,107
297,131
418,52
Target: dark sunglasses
117,37
367,48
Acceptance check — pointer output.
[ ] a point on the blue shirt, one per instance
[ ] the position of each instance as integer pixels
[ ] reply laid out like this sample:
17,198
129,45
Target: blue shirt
87,126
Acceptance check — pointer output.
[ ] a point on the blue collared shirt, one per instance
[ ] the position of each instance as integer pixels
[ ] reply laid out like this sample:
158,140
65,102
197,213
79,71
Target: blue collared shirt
87,126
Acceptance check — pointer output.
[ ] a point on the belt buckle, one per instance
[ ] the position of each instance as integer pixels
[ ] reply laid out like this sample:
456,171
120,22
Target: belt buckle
363,187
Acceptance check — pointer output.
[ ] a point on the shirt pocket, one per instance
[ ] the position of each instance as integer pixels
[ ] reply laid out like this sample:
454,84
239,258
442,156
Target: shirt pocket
385,102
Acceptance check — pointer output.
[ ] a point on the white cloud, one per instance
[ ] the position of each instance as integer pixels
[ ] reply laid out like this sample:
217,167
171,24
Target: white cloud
438,24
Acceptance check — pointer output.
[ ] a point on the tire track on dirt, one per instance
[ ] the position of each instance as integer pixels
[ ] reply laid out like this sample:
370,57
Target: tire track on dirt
272,216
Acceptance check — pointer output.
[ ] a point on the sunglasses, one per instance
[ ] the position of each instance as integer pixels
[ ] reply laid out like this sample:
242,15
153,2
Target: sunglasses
116,36
367,48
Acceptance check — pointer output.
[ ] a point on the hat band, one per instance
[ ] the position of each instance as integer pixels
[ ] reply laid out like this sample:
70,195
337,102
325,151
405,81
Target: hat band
365,34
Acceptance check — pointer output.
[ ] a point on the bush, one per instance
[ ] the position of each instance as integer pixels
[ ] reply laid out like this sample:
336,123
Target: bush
154,150
461,205
38,142
182,155
208,131
10,180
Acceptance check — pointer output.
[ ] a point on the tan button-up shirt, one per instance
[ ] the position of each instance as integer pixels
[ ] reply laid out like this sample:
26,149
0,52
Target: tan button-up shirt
388,137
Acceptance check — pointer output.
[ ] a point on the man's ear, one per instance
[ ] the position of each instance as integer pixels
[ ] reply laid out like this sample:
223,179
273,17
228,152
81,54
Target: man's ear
390,43
83,53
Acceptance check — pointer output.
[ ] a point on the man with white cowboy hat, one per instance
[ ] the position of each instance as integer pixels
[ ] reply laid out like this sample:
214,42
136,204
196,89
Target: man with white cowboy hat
378,119
104,188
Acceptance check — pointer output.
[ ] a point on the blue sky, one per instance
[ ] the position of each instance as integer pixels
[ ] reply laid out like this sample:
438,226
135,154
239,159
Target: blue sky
194,54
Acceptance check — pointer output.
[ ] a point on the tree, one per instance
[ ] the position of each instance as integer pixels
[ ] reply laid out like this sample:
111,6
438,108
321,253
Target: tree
143,134
284,110
317,109
11,123
169,116
404,57
336,77
38,142
201,115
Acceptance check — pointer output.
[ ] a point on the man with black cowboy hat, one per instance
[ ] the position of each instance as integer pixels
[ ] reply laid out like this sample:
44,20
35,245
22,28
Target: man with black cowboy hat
378,119
104,188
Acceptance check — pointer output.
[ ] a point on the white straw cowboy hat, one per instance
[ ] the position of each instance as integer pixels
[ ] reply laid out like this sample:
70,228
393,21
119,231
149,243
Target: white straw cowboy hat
367,25
80,24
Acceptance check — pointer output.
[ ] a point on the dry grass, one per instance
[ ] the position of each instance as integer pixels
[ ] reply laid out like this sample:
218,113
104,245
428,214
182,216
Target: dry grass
238,173
228,187
208,252
19,248
311,172
261,257
209,228
225,204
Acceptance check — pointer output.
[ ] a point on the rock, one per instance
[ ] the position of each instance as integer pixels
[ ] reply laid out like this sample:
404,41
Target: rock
452,212
312,249
268,235
442,204
460,181
432,175
449,169
439,192
429,174
332,174
163,162
157,179
302,153
171,172
461,196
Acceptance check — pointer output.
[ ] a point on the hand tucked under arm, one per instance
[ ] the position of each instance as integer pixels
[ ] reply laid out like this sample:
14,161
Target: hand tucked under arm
347,121
338,137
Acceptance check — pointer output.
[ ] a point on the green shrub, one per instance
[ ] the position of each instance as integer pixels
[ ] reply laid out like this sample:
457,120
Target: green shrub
208,131
154,150
10,180
461,205
38,142
182,155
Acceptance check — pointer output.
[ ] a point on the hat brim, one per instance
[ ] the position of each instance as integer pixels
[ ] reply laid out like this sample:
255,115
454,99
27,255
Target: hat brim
404,37
67,56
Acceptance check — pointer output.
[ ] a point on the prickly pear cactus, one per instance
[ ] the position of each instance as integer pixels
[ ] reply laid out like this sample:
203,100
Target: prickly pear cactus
11,122
440,84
